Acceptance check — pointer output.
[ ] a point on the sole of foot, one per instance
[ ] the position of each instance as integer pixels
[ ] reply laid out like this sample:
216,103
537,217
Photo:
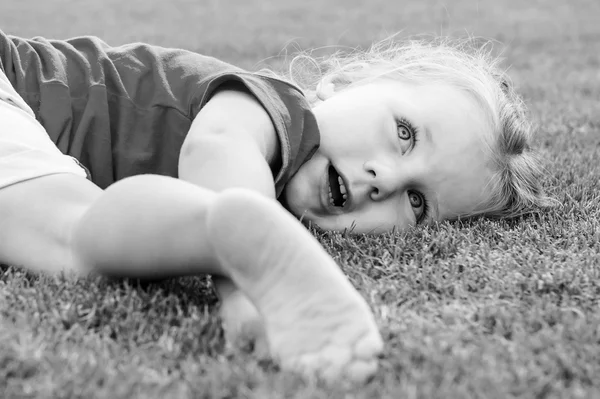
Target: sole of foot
316,322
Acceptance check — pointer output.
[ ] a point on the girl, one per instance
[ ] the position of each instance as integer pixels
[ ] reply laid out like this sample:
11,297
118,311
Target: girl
148,162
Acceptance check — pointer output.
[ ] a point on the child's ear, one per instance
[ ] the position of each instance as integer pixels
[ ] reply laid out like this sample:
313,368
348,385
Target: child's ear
330,84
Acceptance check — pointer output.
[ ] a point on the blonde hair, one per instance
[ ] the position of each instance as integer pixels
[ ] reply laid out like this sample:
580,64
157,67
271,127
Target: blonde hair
464,64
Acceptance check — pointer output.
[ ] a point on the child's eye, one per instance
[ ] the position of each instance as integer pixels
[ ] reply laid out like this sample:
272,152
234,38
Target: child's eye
416,201
404,131
407,133
419,204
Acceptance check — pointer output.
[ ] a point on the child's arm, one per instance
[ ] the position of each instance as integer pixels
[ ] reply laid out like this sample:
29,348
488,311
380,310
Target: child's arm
230,144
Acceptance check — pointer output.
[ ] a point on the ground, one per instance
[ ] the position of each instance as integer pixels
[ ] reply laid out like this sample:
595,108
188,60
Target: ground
476,309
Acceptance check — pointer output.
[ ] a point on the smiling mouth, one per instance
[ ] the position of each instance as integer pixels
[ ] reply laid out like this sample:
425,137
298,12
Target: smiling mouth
338,194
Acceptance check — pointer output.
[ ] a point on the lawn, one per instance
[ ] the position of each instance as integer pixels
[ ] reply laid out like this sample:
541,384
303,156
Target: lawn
474,309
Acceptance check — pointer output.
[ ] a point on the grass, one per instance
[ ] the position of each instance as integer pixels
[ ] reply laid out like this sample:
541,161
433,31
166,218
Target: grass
472,309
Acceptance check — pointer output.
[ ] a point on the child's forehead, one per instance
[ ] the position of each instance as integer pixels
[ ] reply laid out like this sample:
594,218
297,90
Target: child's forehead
452,114
440,93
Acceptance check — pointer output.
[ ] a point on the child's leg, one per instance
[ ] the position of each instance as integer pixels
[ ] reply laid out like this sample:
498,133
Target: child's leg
152,226
145,226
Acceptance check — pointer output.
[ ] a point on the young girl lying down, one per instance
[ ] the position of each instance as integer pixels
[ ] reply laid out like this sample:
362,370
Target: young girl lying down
142,161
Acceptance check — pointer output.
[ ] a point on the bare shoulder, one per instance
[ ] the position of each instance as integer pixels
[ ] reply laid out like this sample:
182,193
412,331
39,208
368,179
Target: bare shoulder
231,143
238,115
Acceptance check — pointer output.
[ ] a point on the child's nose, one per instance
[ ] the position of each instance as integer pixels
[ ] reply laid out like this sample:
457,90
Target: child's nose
383,179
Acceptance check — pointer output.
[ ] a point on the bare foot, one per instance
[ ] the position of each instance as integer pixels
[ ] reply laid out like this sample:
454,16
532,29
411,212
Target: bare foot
316,322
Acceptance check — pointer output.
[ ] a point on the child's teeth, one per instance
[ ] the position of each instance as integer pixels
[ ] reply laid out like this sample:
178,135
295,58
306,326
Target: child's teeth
342,186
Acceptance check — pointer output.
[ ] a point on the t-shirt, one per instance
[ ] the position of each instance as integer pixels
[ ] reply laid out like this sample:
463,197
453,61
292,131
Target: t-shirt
123,111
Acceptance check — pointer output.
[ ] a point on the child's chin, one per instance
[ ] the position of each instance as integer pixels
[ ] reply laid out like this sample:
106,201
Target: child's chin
291,199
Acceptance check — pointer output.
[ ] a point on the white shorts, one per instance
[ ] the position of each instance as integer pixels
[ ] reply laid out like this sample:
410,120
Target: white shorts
26,151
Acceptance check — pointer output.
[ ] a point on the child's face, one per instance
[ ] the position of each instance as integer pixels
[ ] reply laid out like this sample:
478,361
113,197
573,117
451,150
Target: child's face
405,153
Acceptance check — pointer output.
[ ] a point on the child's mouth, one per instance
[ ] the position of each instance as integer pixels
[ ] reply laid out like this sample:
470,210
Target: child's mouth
338,193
